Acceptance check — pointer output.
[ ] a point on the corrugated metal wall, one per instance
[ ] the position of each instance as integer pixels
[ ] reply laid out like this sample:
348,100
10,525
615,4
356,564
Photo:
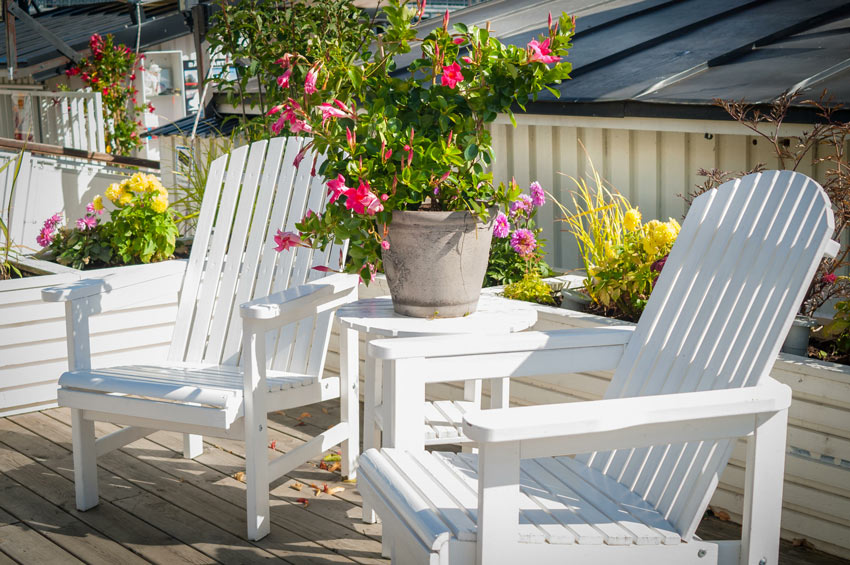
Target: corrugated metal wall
651,162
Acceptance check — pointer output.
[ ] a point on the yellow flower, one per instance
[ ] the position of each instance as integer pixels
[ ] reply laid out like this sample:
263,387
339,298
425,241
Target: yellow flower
663,235
159,204
632,219
98,202
114,192
125,199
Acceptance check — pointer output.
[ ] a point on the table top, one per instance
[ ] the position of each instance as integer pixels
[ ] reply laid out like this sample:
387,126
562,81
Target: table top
495,314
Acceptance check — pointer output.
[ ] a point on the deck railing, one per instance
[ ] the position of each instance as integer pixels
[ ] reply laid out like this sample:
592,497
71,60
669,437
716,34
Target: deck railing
67,119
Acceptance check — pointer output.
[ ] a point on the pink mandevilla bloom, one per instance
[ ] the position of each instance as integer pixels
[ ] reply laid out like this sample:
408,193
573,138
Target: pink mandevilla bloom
287,240
385,244
523,242
538,196
336,188
501,227
458,40
283,80
829,278
467,60
362,200
310,81
451,75
328,112
540,52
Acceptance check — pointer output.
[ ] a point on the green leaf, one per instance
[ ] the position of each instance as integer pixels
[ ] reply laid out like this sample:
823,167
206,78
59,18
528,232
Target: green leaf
470,152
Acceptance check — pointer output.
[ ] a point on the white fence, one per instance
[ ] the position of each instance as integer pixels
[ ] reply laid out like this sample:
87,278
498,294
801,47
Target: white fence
67,119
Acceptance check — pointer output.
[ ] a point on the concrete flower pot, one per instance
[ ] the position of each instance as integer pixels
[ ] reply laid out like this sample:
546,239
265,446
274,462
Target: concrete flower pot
436,262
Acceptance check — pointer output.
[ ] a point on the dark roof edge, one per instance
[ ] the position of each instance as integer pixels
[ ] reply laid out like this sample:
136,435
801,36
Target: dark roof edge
632,109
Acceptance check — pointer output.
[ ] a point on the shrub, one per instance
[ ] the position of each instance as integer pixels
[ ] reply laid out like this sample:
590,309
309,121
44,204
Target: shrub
530,288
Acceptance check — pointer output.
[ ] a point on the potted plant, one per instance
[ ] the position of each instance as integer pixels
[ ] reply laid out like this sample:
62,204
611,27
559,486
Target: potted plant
407,151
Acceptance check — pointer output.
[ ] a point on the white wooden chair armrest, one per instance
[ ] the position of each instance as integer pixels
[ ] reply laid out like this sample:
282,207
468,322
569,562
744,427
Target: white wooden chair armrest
477,344
298,302
125,278
629,422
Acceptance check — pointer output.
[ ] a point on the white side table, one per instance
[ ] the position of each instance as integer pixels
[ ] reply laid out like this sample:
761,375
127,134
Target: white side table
382,411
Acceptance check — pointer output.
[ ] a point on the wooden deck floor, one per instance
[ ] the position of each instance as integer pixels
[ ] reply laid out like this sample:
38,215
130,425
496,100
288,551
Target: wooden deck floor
158,507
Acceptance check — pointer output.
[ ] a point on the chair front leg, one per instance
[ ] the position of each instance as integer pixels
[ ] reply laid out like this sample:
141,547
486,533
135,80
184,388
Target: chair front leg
763,489
193,445
256,436
349,400
85,460
498,503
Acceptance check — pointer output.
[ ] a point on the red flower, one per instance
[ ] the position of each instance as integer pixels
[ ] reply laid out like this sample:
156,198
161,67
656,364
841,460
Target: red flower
287,240
829,278
451,75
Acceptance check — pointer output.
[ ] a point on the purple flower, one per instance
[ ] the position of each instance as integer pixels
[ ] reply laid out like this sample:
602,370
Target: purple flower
45,238
523,242
501,227
523,203
53,221
86,222
538,197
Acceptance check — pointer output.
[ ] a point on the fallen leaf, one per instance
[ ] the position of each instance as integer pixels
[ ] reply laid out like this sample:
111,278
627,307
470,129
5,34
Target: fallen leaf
303,501
273,444
316,488
296,486
802,542
325,487
239,476
300,423
323,465
350,481
334,467
332,457
325,410
722,515
335,490
304,415
281,412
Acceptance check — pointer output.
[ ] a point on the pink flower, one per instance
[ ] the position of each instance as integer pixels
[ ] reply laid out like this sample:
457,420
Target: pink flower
53,221
328,112
336,188
501,227
409,150
275,110
86,222
362,200
451,75
538,197
45,237
287,240
299,125
829,278
283,80
323,269
310,81
467,60
446,20
385,244
523,242
458,40
284,61
522,204
351,138
540,52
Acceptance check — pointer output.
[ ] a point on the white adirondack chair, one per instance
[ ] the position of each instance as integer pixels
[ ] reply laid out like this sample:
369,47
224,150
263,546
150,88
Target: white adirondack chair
223,372
692,376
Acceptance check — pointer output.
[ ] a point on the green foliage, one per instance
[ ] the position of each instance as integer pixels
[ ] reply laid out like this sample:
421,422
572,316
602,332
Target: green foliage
82,249
194,167
836,334
530,288
111,71
9,250
254,34
415,140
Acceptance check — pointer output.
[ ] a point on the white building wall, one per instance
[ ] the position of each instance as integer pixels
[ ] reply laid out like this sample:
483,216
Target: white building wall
651,161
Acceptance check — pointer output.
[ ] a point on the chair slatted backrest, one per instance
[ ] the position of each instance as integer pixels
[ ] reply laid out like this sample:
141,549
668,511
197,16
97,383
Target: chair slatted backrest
716,319
249,195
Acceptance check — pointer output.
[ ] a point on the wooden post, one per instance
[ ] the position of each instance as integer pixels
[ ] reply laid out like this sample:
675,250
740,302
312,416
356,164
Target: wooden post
11,41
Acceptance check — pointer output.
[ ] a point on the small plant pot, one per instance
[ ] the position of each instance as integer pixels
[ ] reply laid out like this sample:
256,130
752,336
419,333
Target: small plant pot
574,299
797,340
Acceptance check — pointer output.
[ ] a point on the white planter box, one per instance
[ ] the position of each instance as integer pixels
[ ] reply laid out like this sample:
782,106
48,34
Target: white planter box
32,333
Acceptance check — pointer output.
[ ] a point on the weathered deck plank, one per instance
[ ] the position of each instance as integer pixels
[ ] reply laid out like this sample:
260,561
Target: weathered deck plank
158,507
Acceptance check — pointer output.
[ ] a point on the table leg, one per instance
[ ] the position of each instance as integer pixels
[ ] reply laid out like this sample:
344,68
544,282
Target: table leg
371,437
349,399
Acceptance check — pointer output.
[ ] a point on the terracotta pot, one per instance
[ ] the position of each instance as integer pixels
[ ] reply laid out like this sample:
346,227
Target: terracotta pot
436,262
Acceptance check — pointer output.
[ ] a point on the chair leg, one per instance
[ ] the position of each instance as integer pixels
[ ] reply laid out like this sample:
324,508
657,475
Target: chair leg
763,495
85,460
349,398
193,445
256,437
